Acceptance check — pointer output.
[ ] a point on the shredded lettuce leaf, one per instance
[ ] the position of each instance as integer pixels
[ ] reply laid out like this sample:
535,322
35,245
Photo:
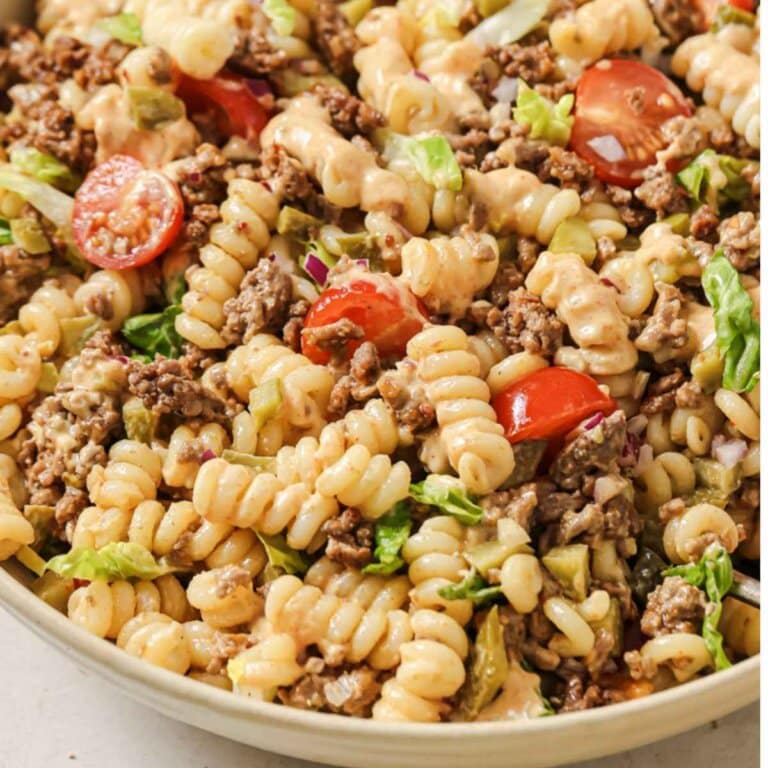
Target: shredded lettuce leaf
433,159
52,203
281,557
449,495
6,238
117,560
548,121
124,27
510,23
45,168
714,574
281,15
738,333
696,179
155,333
391,533
472,587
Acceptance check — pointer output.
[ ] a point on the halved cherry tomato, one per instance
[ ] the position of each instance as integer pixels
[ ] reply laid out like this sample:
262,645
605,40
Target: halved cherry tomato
237,110
549,403
620,107
125,215
389,314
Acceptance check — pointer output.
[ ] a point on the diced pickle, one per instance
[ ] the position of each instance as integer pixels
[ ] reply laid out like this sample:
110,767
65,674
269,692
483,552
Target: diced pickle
264,402
296,223
29,235
570,566
679,223
712,474
151,107
75,331
259,463
490,554
488,667
140,423
488,7
730,14
707,496
354,10
573,236
289,82
612,622
740,626
40,516
707,368
54,590
49,378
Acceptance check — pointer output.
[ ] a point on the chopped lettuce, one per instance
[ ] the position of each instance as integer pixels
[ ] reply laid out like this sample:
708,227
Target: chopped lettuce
124,27
488,667
515,20
155,334
282,559
472,587
704,185
737,331
449,495
52,203
432,157
281,15
117,560
548,121
6,238
391,533
714,574
45,168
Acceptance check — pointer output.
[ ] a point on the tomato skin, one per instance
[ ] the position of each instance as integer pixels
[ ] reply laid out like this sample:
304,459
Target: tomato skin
389,319
238,111
603,112
549,403
121,201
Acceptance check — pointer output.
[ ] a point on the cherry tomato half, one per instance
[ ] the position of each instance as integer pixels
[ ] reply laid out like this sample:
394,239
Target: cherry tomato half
238,112
389,315
548,404
620,107
125,215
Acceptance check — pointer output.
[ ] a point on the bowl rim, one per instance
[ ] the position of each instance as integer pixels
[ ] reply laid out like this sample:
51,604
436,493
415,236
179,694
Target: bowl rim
24,605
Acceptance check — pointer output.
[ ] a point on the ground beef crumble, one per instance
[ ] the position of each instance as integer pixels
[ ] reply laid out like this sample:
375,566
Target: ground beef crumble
360,384
350,116
261,305
674,606
740,240
666,328
335,37
525,324
516,503
402,390
343,691
254,55
292,328
350,539
21,274
165,388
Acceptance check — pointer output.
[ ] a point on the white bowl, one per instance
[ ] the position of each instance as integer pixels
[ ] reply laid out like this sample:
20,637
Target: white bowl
344,741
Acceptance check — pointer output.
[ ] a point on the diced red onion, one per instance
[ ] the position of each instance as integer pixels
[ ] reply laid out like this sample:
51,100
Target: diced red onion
608,147
421,76
506,90
629,453
317,270
364,263
609,283
121,359
207,455
77,583
729,452
593,421
257,86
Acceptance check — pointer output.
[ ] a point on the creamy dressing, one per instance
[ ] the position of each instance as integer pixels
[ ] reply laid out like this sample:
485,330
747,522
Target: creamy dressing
520,698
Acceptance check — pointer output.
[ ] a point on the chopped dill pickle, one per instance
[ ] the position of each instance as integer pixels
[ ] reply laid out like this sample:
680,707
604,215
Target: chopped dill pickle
570,566
573,236
151,107
29,235
54,590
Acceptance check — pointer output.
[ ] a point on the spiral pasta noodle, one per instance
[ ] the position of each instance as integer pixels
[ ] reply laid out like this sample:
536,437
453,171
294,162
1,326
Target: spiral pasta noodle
15,530
472,439
697,525
727,79
185,452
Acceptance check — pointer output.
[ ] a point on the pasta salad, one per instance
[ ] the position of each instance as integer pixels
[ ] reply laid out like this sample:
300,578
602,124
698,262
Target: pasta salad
398,361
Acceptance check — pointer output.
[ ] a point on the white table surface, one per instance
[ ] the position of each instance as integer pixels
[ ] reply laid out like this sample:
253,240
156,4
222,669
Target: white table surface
55,715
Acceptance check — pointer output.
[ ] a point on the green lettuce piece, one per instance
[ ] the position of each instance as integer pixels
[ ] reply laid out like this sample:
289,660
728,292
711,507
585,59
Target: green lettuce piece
696,179
281,557
433,159
6,238
488,667
548,121
509,23
45,168
117,560
714,574
391,533
282,16
124,27
52,203
472,587
737,331
449,495
155,333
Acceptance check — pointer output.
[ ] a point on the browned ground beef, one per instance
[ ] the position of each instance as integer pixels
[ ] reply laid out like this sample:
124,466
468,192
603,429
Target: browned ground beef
666,328
335,37
345,691
350,539
350,116
674,606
